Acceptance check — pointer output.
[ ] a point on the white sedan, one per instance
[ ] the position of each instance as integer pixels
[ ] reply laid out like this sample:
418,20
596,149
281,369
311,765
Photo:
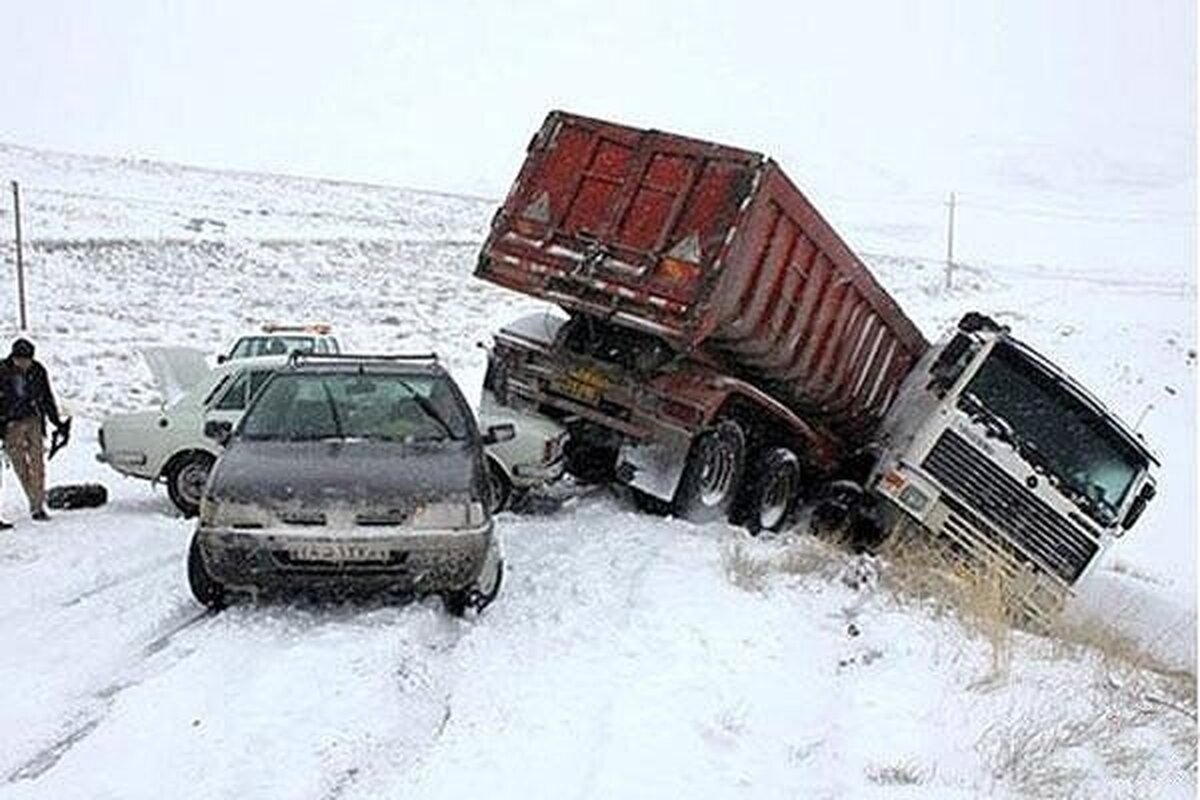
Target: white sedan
168,444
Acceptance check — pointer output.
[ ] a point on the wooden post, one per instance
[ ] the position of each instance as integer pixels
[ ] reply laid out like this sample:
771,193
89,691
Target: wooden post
20,262
950,245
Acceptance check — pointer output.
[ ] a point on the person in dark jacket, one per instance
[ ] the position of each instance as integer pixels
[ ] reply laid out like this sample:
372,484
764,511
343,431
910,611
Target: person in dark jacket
26,403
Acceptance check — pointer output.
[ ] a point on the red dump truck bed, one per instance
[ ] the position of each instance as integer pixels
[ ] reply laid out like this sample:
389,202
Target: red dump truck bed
710,247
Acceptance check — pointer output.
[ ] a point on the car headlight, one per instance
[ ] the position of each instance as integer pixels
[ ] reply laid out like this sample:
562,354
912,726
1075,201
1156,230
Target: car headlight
449,515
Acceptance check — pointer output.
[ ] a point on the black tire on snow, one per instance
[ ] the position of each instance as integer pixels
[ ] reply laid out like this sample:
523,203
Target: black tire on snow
771,491
457,603
185,481
205,588
712,475
77,495
500,489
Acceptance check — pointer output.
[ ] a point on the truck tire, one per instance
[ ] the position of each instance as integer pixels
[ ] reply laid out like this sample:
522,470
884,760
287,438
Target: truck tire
205,588
712,475
186,476
590,463
771,492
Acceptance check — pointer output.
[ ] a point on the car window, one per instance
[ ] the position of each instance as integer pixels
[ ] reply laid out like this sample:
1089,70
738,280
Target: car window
217,389
234,398
257,379
242,348
392,407
334,347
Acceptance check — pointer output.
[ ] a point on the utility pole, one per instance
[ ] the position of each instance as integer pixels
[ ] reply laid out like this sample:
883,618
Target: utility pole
950,244
20,263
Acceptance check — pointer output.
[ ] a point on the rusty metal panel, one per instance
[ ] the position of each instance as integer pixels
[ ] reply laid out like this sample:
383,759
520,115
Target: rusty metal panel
711,247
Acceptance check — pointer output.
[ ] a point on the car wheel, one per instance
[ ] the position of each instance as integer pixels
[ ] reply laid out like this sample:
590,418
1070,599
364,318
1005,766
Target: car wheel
205,588
771,496
712,474
185,481
501,487
479,595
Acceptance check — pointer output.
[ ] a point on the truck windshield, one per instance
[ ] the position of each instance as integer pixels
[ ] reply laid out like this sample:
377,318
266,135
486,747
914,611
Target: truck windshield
381,407
1056,432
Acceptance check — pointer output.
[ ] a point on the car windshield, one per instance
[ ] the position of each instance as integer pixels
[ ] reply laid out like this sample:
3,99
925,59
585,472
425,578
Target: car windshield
255,346
1055,431
377,406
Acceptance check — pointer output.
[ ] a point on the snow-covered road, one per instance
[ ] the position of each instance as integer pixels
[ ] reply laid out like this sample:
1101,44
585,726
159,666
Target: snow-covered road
628,656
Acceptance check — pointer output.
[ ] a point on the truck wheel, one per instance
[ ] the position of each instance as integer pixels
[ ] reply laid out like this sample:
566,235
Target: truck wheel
712,475
501,488
771,495
590,463
186,477
205,588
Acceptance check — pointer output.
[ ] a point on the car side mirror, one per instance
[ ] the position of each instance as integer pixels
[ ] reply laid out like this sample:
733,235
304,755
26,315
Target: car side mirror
221,359
219,430
1139,505
500,433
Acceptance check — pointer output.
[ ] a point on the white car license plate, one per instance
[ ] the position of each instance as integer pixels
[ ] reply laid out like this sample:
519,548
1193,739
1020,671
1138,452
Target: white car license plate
337,552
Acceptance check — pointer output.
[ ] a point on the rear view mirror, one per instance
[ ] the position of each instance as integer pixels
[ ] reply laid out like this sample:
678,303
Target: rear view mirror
220,431
500,433
1139,505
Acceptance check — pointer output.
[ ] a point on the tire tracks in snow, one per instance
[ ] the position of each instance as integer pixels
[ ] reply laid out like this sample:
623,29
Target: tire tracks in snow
87,721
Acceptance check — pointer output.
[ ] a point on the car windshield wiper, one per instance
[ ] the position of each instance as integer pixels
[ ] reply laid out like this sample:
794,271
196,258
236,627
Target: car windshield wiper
337,422
430,410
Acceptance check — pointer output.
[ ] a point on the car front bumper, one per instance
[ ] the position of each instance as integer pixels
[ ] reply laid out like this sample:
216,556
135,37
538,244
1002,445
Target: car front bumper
536,474
268,561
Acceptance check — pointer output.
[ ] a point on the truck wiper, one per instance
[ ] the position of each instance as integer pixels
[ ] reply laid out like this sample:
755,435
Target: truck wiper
996,425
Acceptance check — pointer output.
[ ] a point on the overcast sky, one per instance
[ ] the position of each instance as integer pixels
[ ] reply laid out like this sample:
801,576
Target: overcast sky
445,94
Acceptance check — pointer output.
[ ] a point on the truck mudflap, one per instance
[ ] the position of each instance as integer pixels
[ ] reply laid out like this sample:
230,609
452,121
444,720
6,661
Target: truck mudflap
653,467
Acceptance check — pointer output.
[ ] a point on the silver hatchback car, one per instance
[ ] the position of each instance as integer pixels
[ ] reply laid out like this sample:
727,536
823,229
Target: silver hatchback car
351,474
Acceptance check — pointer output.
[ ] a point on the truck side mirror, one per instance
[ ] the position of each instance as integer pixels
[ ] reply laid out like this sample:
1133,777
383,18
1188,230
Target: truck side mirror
219,430
500,433
1139,505
949,364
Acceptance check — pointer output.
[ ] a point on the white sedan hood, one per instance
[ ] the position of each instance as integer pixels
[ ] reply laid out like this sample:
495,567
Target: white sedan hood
176,370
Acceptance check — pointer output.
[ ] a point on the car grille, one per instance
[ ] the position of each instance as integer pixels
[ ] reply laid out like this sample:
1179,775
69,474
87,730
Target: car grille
1013,511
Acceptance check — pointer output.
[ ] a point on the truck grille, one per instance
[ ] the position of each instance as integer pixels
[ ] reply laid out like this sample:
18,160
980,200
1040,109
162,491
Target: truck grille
1015,513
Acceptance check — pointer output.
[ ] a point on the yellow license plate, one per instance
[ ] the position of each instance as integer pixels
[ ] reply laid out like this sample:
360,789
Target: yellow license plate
583,384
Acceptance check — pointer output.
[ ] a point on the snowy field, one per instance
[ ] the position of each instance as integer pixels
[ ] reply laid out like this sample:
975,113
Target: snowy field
627,656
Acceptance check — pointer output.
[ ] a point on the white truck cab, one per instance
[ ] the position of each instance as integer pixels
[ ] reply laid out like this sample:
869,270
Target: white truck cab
993,448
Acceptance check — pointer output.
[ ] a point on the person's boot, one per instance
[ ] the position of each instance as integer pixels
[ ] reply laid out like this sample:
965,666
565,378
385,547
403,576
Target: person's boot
5,525
40,515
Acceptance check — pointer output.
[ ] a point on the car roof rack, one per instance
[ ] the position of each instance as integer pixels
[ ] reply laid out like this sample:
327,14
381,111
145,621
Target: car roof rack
319,328
308,356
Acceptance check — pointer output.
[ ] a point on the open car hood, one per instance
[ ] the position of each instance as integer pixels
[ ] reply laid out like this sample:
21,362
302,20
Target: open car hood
176,370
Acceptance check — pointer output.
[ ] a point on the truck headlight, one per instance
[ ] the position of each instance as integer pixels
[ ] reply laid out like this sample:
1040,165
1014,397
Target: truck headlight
914,498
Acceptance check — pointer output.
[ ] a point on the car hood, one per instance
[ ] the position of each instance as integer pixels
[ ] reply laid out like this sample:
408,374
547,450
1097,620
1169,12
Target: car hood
176,370
382,475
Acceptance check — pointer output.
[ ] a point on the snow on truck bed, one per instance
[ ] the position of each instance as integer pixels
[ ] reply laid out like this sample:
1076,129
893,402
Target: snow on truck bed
628,656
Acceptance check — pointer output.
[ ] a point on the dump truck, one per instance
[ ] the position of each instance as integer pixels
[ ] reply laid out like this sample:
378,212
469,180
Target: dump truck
723,352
